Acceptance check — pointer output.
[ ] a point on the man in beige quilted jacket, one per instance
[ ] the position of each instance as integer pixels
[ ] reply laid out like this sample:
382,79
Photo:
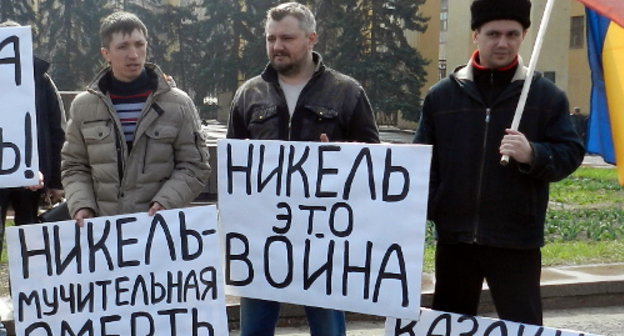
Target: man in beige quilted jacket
133,140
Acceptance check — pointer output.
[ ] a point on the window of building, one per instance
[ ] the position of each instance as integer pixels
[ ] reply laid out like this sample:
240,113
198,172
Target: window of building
577,30
550,75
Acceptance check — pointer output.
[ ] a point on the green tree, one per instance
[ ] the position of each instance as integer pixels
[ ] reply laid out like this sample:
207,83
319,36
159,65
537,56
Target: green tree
364,39
71,41
19,11
234,42
175,46
370,44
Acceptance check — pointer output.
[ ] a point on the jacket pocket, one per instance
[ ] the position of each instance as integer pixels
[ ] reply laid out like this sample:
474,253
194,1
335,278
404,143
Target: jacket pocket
322,113
162,133
322,119
96,131
159,145
264,122
261,114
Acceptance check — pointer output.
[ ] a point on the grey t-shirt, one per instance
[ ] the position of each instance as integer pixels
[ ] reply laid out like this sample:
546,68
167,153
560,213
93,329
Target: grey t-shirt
292,93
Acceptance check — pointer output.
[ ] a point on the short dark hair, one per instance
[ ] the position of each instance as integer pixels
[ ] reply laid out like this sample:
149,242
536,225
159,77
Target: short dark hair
302,13
123,22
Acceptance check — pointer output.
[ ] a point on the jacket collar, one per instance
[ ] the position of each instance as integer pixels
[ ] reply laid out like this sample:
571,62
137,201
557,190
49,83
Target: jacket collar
270,75
40,66
164,82
466,73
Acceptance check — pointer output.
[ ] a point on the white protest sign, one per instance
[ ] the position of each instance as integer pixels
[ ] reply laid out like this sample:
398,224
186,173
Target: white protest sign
119,275
334,225
19,159
437,323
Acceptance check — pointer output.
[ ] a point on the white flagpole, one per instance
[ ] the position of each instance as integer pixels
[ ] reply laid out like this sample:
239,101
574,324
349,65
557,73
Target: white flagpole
527,82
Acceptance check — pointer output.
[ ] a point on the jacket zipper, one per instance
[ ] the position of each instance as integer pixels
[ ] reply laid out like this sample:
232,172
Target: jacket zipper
285,103
481,173
147,142
297,104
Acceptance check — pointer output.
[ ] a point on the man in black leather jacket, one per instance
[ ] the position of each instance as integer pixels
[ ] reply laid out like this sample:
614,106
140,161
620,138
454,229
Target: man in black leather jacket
489,218
297,98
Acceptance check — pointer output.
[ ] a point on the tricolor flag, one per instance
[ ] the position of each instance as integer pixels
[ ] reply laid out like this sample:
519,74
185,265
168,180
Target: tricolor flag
605,36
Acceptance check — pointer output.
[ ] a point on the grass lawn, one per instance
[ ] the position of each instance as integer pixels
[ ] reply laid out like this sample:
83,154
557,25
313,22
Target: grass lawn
584,222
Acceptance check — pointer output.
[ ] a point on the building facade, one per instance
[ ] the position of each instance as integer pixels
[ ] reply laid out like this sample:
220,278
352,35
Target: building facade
563,57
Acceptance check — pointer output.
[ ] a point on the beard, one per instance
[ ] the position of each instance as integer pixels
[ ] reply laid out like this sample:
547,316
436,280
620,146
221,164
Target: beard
286,69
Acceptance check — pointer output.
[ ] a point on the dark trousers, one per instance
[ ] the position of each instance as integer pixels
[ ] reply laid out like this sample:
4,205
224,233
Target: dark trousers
512,275
25,204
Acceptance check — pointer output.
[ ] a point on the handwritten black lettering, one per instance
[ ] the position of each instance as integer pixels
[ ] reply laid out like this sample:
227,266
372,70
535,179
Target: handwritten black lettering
208,277
87,329
322,171
26,254
297,167
275,173
159,221
407,329
396,251
349,269
38,326
16,152
197,325
187,234
28,299
16,60
121,242
388,171
327,267
73,254
473,320
288,262
134,317
106,320
348,228
500,325
246,169
100,245
283,217
446,327
311,210
242,256
50,300
363,154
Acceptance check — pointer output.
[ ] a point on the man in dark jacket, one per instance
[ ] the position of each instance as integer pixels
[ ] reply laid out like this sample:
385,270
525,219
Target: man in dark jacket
490,218
297,98
50,138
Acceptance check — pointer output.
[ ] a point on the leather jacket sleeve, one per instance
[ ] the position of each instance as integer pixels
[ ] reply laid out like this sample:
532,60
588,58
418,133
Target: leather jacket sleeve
363,126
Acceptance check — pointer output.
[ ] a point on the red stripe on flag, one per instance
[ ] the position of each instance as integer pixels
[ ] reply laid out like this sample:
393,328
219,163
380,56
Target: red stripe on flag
612,9
139,95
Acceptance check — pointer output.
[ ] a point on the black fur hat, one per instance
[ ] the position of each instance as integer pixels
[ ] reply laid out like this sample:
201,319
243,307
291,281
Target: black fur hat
484,11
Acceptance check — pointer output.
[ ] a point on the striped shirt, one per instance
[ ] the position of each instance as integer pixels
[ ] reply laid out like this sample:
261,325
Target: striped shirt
129,111
129,100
